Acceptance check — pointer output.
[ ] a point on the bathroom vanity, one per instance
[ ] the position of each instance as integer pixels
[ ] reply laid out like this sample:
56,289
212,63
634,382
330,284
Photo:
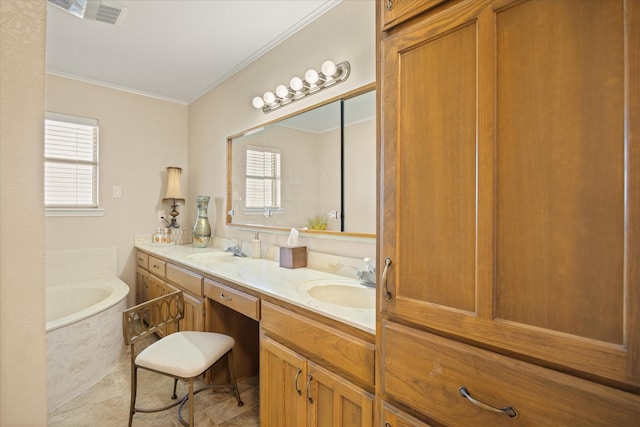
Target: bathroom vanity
315,359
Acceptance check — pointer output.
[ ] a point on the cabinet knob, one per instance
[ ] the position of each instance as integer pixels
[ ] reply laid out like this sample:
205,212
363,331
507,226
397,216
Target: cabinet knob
387,264
389,4
511,412
222,296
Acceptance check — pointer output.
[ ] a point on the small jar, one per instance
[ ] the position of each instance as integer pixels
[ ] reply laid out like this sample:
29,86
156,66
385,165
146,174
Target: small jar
163,236
157,236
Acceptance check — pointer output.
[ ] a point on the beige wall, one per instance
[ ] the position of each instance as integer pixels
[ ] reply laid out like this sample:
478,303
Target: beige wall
346,32
139,137
22,88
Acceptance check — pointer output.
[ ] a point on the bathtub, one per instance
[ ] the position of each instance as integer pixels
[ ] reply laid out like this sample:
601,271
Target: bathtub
84,335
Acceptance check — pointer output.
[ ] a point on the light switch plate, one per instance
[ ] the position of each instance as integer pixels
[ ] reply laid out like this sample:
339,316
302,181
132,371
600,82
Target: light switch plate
117,191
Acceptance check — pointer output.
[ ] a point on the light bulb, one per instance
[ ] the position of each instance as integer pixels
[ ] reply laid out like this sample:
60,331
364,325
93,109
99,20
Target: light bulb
258,102
269,97
329,68
282,91
311,76
296,83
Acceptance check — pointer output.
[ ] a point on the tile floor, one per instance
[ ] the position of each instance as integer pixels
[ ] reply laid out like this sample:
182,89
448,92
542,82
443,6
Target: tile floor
107,403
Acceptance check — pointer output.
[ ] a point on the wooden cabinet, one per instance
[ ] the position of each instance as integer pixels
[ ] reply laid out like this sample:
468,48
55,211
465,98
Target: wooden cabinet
283,373
394,417
303,366
398,11
334,401
194,312
510,156
142,287
156,277
235,313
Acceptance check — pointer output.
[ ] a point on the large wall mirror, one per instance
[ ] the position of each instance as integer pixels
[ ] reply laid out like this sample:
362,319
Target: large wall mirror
314,170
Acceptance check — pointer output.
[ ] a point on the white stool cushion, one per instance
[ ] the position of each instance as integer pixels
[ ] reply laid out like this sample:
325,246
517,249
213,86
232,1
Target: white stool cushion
185,354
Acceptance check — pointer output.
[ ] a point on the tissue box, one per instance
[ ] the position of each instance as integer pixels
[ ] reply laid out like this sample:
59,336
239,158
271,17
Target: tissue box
293,256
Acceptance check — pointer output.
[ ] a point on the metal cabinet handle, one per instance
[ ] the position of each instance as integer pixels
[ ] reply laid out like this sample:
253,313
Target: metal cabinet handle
511,412
309,398
296,382
389,4
387,263
222,296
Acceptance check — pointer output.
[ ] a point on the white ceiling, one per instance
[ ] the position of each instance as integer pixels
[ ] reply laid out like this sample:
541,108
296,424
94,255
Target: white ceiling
172,49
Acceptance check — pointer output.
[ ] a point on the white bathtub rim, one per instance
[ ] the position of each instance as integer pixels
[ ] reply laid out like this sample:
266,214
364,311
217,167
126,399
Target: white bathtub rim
120,290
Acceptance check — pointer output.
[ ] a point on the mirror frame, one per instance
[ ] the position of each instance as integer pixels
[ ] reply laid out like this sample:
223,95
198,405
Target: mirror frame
344,235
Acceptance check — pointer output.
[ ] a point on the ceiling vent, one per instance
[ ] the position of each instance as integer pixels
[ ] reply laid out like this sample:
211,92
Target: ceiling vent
91,9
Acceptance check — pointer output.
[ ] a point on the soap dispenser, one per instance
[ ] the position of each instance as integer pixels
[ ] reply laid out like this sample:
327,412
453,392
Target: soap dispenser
255,246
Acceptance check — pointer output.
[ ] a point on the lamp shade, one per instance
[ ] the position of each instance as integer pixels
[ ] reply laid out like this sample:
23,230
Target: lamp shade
173,184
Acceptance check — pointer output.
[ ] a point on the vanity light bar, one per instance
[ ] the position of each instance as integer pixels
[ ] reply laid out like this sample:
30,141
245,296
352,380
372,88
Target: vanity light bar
330,74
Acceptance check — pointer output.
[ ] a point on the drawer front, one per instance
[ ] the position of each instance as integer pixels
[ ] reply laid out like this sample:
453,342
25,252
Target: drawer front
142,259
157,266
349,354
395,12
426,371
190,282
394,417
233,298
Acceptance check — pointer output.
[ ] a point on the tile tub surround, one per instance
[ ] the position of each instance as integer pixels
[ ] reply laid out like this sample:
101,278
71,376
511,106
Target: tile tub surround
268,278
80,353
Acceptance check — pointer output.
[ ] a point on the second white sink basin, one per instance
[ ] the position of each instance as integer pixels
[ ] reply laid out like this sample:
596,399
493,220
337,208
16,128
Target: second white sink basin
210,257
346,294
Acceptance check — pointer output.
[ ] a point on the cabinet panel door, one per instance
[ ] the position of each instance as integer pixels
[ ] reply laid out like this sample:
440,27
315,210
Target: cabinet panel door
511,179
193,319
142,288
335,402
283,373
157,288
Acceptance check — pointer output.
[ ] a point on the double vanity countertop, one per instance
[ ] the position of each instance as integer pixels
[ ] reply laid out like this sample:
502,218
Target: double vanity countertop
268,278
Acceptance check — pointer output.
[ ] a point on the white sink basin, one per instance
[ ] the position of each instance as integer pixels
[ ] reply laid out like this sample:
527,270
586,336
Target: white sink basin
210,257
345,294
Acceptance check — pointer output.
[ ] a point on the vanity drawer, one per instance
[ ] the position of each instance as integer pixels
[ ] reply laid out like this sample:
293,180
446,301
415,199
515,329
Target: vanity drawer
190,282
234,299
425,372
142,259
156,266
347,353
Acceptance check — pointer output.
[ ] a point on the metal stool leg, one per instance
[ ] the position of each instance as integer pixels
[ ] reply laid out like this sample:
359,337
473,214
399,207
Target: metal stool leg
233,377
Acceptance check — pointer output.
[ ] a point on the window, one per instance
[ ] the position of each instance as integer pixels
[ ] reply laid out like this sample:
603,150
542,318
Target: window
70,165
263,178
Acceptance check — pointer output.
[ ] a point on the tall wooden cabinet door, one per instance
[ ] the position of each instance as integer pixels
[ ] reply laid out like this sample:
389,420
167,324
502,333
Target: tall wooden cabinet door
511,179
283,373
431,125
335,402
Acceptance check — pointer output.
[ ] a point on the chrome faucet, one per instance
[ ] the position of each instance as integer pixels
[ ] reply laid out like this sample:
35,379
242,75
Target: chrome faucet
367,275
235,249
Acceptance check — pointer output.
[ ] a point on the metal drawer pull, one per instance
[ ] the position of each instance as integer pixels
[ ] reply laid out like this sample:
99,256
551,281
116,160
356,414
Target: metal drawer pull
296,382
222,296
309,398
389,4
506,410
387,263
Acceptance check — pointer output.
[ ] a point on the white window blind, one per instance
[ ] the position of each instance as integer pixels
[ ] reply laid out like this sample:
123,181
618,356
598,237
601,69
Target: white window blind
263,178
70,162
